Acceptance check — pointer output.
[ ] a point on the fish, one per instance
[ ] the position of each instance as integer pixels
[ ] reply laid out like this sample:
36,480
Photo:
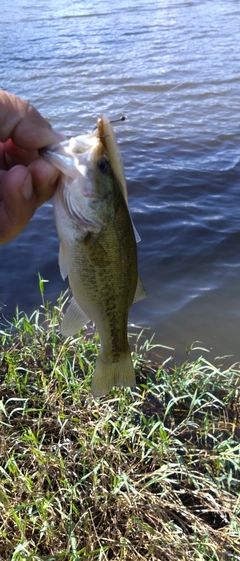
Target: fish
97,248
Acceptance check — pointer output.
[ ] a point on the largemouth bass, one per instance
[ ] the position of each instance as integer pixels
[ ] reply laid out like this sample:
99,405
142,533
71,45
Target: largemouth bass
97,248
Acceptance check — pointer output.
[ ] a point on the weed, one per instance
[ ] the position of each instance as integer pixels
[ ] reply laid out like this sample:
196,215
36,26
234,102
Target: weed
151,473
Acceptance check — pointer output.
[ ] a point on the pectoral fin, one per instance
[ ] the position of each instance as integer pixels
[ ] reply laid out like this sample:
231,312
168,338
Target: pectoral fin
136,234
140,291
73,320
62,260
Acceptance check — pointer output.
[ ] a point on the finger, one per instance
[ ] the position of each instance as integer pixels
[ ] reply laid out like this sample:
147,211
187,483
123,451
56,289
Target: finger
44,178
11,155
18,202
24,124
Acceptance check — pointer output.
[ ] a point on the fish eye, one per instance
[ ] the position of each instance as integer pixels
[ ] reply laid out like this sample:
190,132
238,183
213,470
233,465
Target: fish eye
103,165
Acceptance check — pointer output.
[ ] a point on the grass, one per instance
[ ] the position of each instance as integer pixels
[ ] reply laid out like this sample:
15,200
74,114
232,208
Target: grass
146,474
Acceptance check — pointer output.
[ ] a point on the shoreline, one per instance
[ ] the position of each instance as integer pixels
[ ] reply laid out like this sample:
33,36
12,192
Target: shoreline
145,473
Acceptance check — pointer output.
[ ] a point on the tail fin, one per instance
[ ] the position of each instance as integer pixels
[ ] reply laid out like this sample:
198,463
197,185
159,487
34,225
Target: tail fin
107,374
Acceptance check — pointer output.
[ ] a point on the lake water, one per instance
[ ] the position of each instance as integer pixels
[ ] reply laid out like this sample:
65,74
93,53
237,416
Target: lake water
180,147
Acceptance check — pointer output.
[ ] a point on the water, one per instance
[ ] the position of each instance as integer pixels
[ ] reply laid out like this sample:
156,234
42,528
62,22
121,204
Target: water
180,148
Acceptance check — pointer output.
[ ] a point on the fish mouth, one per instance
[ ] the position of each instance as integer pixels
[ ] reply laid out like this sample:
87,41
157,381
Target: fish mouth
59,149
62,159
42,151
66,155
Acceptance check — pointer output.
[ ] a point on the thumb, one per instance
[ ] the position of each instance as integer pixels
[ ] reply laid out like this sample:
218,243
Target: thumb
18,202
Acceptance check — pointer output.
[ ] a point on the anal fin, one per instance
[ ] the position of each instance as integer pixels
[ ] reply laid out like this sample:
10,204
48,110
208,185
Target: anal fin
73,320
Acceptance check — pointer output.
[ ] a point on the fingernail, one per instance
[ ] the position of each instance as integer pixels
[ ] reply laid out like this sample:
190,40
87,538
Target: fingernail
59,136
26,188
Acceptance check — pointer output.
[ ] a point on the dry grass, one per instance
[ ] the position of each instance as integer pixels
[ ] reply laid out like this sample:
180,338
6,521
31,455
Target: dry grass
150,474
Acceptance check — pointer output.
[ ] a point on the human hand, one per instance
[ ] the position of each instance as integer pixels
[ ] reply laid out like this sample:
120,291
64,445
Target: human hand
26,179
